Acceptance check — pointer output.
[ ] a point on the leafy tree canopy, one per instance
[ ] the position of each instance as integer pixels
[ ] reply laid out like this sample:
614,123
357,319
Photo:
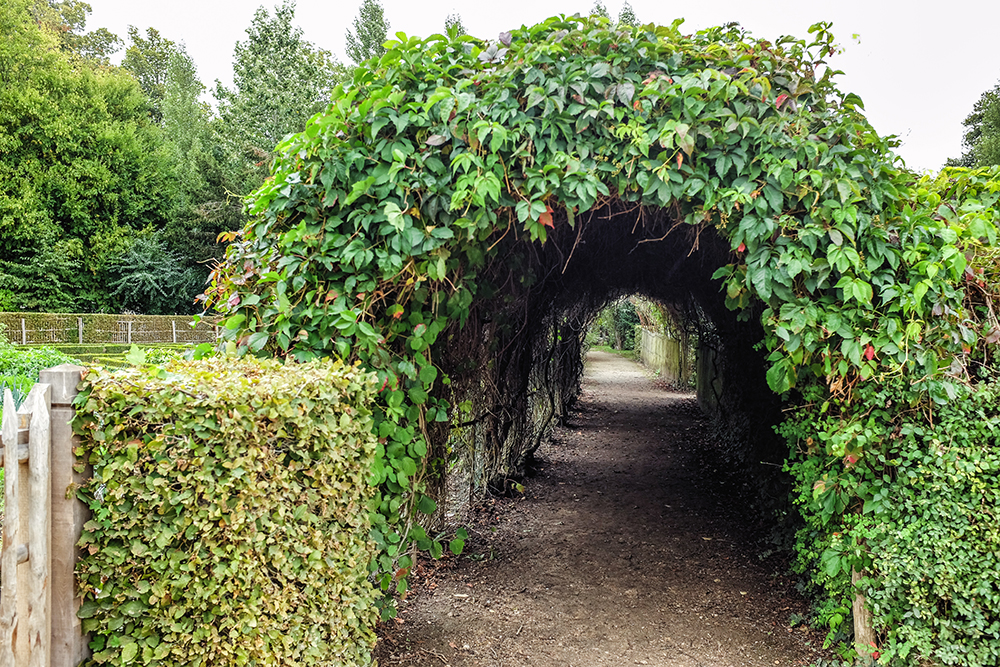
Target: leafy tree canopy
626,16
279,81
371,29
67,20
453,26
599,10
982,134
80,169
148,58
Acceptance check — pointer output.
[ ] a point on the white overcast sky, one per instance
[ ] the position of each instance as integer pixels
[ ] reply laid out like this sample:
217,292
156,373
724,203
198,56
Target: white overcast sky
919,66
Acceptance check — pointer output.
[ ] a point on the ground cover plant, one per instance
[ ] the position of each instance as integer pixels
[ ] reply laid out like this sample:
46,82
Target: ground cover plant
456,196
19,366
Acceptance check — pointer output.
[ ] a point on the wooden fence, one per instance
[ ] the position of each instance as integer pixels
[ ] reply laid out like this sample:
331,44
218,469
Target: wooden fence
38,602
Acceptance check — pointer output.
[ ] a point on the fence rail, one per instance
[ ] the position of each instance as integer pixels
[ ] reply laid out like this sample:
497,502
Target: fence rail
82,328
42,523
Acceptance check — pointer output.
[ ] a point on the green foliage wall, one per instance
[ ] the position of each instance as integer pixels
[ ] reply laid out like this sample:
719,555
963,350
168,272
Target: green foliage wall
230,521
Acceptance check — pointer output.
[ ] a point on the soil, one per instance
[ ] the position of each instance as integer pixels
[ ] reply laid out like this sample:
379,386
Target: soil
623,549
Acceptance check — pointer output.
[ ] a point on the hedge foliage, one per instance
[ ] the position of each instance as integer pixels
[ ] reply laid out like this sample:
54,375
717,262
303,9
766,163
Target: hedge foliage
230,513
103,328
386,219
936,543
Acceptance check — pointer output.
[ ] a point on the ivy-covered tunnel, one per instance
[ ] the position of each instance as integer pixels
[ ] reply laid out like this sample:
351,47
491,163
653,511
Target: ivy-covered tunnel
516,364
463,207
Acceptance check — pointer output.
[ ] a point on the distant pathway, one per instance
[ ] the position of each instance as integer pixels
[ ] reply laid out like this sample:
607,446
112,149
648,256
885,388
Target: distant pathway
617,555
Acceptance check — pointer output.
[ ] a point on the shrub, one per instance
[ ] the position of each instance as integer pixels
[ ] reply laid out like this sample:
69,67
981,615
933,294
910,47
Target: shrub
230,521
937,553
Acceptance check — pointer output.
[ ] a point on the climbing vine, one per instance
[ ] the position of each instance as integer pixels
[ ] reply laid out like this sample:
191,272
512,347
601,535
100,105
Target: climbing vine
412,205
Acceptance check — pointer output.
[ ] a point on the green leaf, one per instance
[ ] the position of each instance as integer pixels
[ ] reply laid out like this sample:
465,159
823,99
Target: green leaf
258,340
129,652
426,505
135,356
395,216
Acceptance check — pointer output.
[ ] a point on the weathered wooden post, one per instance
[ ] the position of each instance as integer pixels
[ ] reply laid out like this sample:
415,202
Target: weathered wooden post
864,633
69,645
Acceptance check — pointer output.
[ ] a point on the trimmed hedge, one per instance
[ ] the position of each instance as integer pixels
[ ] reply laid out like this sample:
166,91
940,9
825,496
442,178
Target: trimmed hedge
48,328
230,513
936,547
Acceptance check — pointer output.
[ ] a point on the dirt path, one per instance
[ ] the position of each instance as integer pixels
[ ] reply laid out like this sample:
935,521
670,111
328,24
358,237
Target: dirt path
619,553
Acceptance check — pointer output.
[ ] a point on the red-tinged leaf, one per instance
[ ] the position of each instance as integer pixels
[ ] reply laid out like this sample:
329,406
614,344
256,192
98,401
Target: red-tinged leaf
546,217
742,247
781,100
637,105
850,460
680,160
869,353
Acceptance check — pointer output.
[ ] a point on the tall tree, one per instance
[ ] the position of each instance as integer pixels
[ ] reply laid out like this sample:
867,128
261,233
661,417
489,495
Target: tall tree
203,207
982,134
67,21
147,58
453,26
370,32
81,168
627,15
279,81
599,10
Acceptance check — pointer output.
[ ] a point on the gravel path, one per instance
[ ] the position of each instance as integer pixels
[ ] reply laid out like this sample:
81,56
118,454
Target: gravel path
621,551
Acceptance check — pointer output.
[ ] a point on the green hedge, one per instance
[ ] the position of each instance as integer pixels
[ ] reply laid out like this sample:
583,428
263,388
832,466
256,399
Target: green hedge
936,548
49,328
230,513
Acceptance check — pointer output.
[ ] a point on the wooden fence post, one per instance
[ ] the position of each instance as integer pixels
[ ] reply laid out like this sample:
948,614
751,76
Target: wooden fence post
864,633
69,645
24,332
11,534
79,329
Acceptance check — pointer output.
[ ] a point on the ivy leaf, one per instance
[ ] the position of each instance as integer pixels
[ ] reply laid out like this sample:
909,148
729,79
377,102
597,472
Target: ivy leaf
395,216
625,92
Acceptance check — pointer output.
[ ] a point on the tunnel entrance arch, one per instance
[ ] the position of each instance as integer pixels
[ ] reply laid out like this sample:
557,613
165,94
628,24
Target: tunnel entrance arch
461,206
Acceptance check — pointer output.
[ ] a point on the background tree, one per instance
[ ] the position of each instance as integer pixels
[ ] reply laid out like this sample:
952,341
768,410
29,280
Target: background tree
627,15
370,32
67,20
453,26
982,135
149,278
279,81
599,10
82,168
204,205
147,58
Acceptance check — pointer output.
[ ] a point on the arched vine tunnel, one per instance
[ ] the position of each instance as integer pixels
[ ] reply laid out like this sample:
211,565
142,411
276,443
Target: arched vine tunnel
516,364
463,206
